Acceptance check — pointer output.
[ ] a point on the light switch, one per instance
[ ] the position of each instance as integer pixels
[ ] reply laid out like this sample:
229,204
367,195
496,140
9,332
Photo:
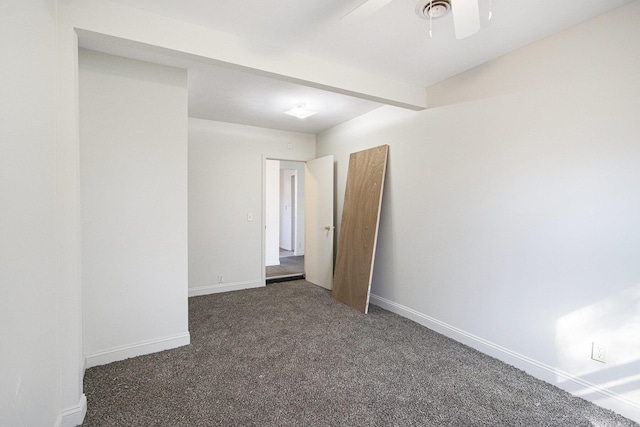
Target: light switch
249,217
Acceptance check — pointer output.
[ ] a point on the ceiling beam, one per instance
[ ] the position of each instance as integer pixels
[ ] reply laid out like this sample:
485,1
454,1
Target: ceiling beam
109,20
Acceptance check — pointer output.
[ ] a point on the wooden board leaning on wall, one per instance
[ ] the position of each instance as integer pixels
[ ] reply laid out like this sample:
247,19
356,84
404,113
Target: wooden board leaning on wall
359,227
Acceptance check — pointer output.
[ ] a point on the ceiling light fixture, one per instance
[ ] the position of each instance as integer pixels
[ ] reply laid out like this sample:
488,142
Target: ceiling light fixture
300,111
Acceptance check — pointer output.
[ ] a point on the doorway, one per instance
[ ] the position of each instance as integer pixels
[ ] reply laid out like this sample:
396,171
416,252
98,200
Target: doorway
284,237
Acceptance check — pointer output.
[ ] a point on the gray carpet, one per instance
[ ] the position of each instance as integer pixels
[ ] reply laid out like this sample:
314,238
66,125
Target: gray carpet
289,355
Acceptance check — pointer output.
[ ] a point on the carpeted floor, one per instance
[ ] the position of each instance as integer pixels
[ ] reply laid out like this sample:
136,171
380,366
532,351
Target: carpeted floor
289,355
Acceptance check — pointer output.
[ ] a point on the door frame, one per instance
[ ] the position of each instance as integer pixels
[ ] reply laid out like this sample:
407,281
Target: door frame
263,263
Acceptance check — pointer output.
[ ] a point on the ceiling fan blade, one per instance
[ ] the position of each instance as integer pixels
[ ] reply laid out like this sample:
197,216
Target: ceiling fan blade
466,17
367,8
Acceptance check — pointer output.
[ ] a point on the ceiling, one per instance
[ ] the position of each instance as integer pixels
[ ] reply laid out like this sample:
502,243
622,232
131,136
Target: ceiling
392,43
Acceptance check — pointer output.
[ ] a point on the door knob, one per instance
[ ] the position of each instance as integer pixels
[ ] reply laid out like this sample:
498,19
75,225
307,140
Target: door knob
328,227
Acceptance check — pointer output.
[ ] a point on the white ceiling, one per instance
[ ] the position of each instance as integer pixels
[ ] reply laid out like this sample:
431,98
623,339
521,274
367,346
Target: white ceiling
393,43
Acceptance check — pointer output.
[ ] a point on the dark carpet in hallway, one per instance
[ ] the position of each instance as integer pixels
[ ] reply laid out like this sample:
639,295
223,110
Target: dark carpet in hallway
291,265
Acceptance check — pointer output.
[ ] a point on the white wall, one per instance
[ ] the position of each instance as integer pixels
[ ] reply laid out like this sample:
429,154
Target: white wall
287,206
272,212
299,208
226,172
510,218
29,303
133,175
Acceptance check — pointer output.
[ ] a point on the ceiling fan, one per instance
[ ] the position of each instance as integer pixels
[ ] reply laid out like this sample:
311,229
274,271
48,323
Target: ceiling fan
466,13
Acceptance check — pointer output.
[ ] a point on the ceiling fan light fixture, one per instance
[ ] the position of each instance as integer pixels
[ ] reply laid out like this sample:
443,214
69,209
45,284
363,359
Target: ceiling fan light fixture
433,9
300,111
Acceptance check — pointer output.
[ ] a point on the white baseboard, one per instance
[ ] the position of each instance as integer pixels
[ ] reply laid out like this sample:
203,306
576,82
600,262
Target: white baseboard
224,287
572,384
137,349
72,417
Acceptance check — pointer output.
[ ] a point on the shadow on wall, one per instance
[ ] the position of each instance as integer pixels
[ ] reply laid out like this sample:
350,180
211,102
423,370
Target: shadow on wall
612,323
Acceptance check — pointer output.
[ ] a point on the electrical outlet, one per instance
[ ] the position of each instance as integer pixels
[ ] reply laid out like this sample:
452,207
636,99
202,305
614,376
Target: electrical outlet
220,278
599,352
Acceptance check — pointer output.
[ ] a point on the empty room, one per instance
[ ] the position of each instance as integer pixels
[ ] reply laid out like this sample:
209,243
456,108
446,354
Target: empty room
139,140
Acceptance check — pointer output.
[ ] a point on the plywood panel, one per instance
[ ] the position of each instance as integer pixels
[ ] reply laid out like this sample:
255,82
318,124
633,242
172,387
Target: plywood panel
359,227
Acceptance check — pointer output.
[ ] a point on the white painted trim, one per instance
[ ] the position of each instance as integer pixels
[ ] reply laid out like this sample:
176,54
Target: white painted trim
227,287
539,370
74,416
137,349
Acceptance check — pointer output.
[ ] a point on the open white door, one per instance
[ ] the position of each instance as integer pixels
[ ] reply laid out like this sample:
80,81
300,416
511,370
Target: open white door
318,222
